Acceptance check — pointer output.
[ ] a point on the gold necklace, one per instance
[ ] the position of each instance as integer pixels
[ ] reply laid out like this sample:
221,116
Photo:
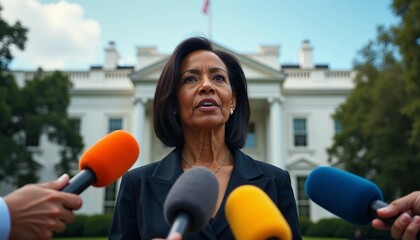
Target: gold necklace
218,167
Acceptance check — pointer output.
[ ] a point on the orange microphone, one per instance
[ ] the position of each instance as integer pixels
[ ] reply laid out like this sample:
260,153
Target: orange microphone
252,215
105,161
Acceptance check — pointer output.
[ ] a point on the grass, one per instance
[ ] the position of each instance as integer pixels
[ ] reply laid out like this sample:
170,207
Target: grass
105,238
318,238
83,238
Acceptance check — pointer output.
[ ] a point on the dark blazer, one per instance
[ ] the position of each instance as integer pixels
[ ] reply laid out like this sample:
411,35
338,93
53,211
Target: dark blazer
139,208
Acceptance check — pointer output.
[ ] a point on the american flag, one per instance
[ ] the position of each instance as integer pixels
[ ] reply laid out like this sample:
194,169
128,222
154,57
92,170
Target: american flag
206,6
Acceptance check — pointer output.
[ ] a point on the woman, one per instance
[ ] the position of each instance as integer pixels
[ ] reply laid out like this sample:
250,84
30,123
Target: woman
201,108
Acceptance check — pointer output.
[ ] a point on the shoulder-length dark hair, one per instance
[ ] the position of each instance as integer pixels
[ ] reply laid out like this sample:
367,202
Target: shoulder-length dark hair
167,124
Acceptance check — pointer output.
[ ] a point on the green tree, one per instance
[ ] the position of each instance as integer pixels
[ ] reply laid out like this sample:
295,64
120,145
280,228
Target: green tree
38,108
407,39
380,135
10,35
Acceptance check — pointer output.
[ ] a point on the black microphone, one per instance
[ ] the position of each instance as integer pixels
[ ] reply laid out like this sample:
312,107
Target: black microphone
191,201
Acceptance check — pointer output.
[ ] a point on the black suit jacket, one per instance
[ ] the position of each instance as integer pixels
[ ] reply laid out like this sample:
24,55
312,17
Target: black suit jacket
139,208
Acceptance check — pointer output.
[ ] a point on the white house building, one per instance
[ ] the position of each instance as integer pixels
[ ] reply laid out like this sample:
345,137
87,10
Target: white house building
291,114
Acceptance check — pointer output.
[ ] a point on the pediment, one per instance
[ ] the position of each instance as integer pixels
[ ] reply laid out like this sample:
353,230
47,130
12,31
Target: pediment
302,163
254,70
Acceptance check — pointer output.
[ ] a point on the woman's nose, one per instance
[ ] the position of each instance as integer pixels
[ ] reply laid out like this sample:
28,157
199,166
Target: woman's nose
206,86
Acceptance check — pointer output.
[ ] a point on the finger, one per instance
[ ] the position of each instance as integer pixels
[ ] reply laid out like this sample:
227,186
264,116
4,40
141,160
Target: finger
389,211
400,205
67,216
174,236
59,226
399,226
379,224
412,229
71,201
58,184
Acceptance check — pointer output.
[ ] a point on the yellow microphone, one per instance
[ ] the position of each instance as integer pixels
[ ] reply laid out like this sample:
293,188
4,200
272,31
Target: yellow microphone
252,215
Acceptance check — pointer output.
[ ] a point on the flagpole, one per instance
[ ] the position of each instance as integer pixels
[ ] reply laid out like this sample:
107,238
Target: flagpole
210,12
207,11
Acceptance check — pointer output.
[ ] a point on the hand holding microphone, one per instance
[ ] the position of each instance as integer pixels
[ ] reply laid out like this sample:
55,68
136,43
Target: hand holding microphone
405,226
33,205
252,215
356,200
104,162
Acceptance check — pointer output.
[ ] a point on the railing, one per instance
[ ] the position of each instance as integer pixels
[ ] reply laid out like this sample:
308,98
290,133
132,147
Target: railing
77,74
299,74
84,75
337,74
321,74
114,75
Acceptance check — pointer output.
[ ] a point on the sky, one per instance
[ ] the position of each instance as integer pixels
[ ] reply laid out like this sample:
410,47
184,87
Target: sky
72,34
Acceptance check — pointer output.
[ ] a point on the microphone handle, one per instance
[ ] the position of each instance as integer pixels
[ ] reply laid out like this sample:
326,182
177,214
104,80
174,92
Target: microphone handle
375,205
80,181
180,224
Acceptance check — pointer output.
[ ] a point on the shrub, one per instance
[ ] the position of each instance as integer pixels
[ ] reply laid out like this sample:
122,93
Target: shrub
338,228
97,225
324,228
75,228
305,223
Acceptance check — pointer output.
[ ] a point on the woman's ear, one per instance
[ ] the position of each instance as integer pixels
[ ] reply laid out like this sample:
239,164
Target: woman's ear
233,101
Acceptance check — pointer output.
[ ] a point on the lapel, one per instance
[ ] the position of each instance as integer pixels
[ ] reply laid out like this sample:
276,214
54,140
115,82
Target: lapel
165,174
245,172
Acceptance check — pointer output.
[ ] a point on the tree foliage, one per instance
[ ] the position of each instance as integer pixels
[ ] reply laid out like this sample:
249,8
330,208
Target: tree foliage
380,119
39,108
10,35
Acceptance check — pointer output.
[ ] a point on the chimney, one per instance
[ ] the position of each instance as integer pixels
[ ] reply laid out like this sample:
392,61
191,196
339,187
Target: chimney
111,57
305,56
147,56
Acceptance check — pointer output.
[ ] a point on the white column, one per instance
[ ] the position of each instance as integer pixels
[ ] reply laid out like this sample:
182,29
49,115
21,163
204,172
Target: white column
139,119
275,143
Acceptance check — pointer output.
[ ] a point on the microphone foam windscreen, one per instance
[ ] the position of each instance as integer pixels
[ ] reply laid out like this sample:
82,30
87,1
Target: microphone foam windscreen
342,193
110,157
195,192
252,215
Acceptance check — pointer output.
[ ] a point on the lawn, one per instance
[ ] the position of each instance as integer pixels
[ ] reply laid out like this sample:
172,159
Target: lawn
105,238
83,238
317,238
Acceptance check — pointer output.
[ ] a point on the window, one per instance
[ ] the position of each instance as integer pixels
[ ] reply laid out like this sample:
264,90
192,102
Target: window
110,195
300,135
302,198
337,126
76,123
114,124
251,139
111,190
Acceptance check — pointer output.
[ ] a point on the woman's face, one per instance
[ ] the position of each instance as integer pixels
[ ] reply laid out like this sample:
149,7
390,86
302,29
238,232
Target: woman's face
205,95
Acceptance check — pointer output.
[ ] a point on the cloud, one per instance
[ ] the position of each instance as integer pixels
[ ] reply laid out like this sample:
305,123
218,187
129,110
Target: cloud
59,35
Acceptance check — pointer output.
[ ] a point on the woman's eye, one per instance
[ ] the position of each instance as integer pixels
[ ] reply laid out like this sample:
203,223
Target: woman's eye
189,79
219,78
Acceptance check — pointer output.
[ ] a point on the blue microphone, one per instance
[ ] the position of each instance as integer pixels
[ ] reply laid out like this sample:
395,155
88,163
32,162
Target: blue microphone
346,195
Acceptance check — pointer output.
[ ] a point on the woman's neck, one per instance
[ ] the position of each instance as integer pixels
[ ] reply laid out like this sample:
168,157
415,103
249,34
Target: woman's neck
204,149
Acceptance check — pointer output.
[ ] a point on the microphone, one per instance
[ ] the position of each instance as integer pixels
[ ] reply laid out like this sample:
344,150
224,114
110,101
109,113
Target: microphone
346,195
252,215
104,162
191,201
